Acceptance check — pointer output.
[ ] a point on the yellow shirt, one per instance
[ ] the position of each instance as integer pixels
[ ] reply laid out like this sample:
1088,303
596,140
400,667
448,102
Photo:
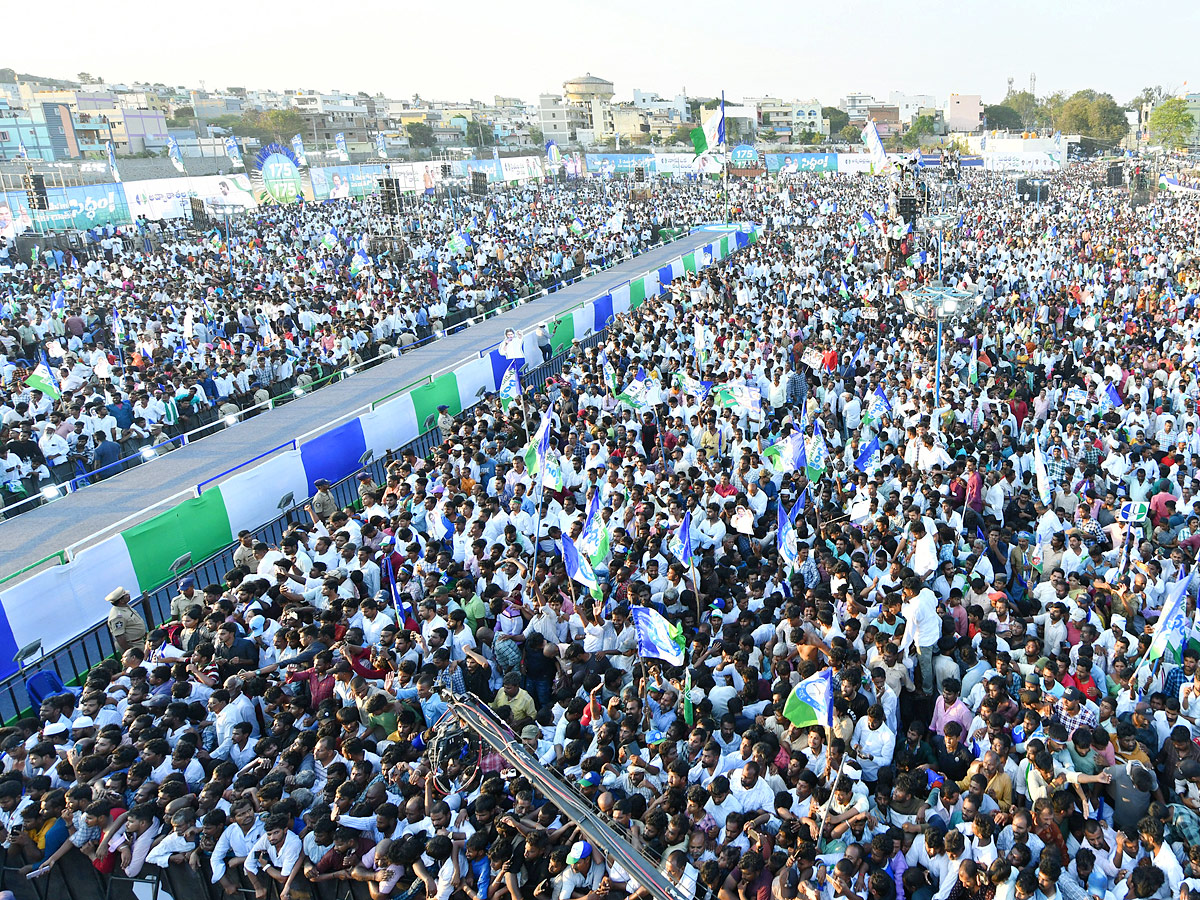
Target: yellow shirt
522,704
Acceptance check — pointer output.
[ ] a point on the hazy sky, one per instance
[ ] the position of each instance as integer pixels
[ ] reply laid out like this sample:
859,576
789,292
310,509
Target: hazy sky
475,49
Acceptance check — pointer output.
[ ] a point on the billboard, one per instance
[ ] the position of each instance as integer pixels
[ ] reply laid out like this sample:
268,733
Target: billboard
275,175
609,163
340,182
675,164
792,163
522,168
80,207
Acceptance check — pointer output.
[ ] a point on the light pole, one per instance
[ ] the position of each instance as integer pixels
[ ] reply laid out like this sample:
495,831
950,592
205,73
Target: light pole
937,300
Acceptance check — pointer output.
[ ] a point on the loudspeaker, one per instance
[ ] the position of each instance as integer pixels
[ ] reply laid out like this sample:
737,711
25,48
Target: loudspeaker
389,196
908,209
639,173
479,183
1115,176
445,170
35,191
199,216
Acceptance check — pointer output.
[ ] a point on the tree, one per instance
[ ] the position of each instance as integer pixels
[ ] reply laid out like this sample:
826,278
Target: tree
1025,105
1092,114
682,135
278,125
922,125
1002,116
537,137
1171,124
807,137
88,78
1149,96
480,134
419,134
837,118
850,133
8,76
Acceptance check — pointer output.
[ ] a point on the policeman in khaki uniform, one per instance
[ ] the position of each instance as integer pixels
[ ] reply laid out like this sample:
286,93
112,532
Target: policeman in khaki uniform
126,626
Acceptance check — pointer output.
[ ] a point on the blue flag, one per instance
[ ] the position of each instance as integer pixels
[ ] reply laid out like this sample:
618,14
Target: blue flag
868,460
654,635
578,567
680,543
785,539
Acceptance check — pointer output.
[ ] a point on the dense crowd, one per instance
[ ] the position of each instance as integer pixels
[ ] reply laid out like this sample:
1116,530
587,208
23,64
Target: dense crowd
990,582
165,329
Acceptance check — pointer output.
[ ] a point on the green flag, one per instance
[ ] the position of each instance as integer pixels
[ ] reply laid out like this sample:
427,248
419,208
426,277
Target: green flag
41,379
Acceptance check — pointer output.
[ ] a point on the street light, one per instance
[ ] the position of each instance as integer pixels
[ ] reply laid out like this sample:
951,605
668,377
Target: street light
939,301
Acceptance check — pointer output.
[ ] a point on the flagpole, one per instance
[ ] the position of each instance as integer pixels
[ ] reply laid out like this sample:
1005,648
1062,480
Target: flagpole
540,483
726,166
829,801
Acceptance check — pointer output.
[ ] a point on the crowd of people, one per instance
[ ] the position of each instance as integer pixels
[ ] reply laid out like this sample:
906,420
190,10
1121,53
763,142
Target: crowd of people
984,552
176,328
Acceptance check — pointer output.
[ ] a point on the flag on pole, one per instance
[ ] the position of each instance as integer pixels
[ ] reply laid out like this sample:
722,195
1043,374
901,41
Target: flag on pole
298,150
576,226
234,152
1173,628
879,161
112,161
798,509
1109,399
510,387
818,455
635,394
538,447
878,406
457,243
654,637
785,539
679,544
868,460
359,262
175,155
784,455
868,221
710,138
811,701
610,378
973,368
42,379
593,541
579,569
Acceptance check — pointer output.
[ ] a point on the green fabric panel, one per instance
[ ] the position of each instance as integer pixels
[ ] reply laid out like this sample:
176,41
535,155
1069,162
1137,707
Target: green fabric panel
637,292
689,263
562,332
724,246
427,398
199,526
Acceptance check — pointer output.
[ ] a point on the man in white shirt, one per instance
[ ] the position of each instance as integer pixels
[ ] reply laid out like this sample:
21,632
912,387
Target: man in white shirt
275,855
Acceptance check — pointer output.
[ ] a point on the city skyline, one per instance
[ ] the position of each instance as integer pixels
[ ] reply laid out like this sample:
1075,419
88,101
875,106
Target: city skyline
800,53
